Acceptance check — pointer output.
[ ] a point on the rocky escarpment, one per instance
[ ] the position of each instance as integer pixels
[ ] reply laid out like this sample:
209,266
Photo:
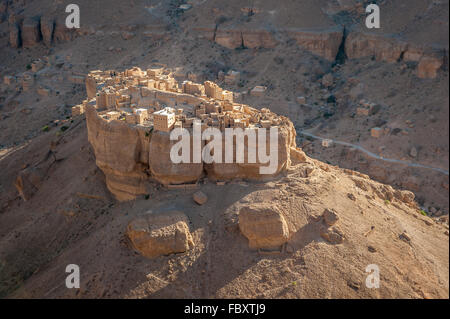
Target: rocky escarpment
131,156
29,31
130,117
327,42
392,49
121,152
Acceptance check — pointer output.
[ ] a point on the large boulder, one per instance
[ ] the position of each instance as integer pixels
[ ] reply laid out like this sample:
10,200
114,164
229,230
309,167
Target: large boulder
160,234
263,225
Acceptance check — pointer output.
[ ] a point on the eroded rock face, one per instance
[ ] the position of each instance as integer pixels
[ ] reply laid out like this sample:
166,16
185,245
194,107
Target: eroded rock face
162,167
264,226
61,32
323,43
47,28
228,171
31,33
360,45
230,39
160,234
258,39
389,49
14,36
121,152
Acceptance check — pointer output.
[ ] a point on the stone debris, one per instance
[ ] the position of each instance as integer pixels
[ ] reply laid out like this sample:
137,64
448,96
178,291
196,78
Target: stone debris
413,152
200,197
371,249
404,236
330,217
333,235
327,80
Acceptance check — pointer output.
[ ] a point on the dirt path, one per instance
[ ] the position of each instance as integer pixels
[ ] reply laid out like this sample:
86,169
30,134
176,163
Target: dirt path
391,160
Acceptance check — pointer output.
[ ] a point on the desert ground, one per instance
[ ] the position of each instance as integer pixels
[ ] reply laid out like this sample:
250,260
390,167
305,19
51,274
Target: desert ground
332,77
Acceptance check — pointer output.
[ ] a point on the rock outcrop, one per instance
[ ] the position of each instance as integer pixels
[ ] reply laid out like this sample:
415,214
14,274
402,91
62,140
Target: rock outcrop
155,235
360,45
121,152
132,148
31,32
392,49
324,43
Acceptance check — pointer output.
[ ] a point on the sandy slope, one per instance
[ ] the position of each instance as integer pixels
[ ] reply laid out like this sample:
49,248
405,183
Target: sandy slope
58,227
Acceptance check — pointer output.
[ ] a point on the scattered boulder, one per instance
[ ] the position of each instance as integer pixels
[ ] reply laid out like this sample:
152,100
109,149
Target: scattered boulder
404,236
29,180
333,235
372,249
160,234
330,217
413,152
200,198
263,225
